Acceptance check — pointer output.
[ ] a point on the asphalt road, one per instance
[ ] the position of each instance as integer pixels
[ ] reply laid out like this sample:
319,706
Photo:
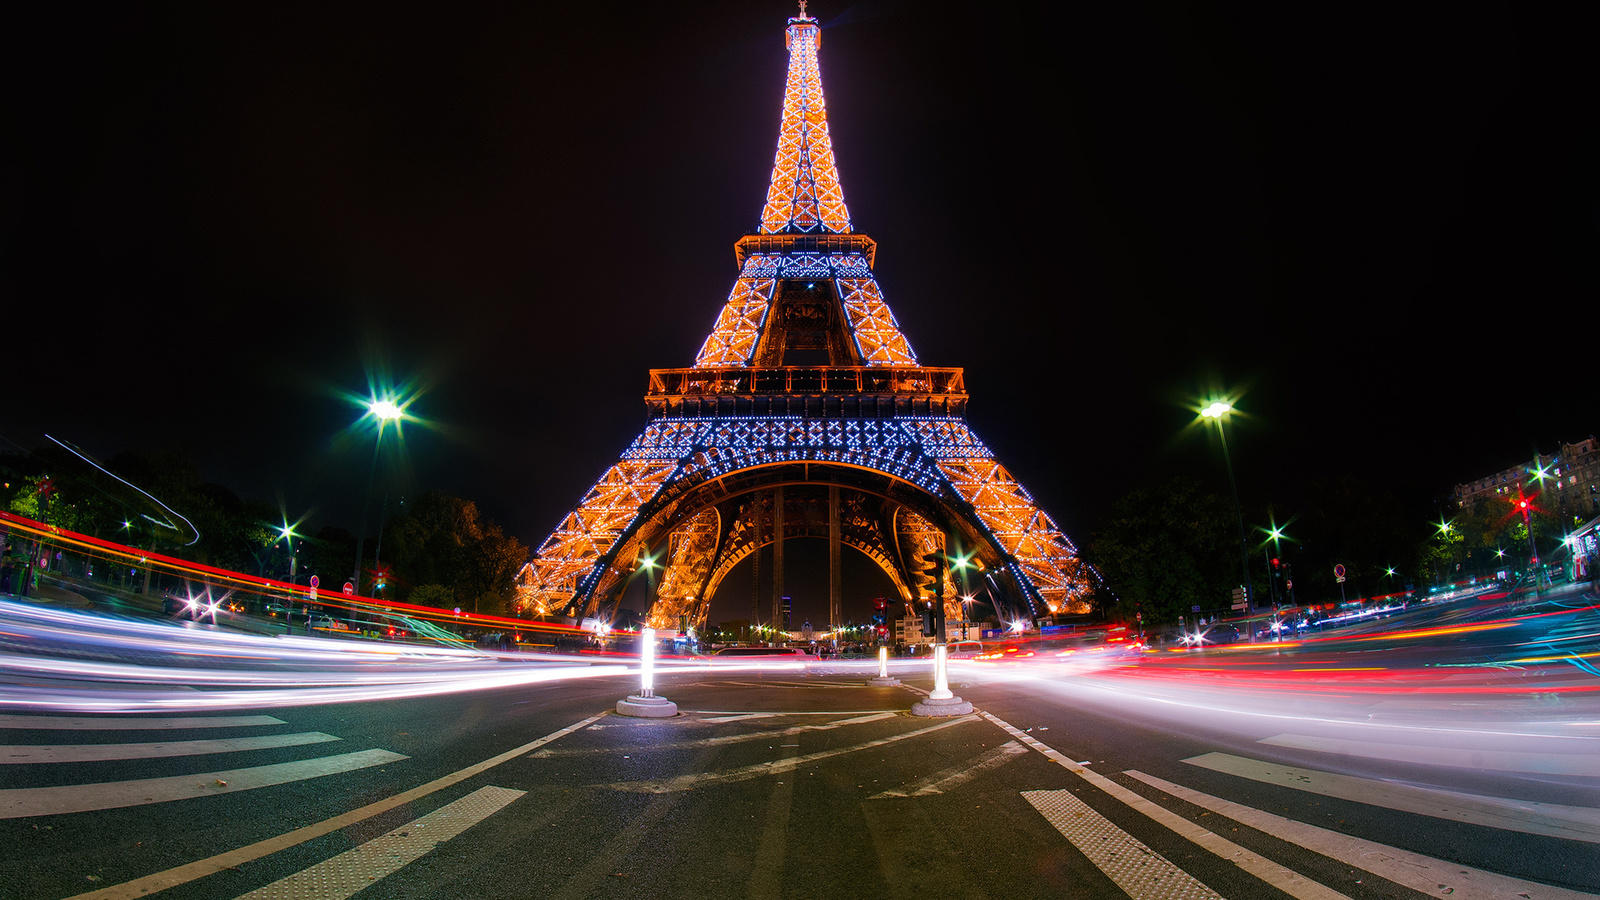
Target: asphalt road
1301,771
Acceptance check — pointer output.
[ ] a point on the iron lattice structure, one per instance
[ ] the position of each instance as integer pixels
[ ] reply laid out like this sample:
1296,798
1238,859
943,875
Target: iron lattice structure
805,414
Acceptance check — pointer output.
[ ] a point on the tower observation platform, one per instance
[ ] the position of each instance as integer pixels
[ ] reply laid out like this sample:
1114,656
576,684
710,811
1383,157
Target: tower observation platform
806,414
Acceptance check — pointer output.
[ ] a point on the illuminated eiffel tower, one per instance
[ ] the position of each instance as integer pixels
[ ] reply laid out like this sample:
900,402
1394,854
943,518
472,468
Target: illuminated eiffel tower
806,414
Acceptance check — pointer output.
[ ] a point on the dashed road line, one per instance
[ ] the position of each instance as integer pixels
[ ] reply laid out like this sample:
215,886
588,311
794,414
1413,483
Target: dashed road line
940,781
724,739
729,715
688,782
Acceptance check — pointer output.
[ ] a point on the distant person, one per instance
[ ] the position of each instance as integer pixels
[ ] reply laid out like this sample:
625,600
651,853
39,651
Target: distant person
8,570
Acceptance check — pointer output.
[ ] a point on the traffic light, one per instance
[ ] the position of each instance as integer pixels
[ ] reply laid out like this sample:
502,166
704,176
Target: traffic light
930,627
928,574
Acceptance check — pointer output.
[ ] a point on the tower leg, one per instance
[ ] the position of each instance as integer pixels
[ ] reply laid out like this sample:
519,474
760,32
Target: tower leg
777,557
835,576
755,579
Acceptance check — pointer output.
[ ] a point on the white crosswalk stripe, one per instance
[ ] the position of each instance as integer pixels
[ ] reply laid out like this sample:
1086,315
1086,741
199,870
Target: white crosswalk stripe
1141,872
355,870
1290,882
23,802
1576,823
1432,877
1122,857
131,723
67,753
50,801
1581,757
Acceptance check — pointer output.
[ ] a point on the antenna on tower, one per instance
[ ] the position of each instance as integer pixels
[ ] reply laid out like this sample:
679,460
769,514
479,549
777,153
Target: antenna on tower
803,10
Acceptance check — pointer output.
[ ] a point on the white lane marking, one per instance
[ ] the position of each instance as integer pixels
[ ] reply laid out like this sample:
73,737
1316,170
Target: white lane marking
1430,876
78,723
1284,879
862,720
51,801
730,715
1580,762
160,881
1576,823
1142,873
957,774
67,753
354,870
687,782
726,738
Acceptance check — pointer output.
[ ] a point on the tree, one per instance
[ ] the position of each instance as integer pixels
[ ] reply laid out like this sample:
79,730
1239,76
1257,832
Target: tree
442,541
1166,550
436,595
1347,523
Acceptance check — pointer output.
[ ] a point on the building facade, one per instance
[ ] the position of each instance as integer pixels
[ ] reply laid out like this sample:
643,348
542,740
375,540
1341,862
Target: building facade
1566,483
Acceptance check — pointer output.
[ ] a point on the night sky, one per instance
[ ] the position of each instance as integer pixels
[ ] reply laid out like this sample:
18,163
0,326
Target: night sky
1375,227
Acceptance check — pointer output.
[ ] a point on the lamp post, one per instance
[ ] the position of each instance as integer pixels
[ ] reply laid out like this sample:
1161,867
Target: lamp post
1216,412
1275,568
648,563
286,532
384,411
1443,535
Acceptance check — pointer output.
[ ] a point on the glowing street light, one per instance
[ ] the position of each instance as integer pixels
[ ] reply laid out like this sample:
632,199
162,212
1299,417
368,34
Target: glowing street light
384,410
1276,570
648,563
1217,412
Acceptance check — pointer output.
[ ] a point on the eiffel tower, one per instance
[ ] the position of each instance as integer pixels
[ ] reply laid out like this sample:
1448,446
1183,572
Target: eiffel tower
805,414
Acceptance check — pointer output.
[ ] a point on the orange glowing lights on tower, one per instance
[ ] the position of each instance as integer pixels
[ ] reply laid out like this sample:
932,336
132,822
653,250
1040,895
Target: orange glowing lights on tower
804,196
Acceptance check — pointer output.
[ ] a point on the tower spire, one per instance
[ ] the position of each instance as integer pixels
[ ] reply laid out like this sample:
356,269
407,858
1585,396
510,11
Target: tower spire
804,196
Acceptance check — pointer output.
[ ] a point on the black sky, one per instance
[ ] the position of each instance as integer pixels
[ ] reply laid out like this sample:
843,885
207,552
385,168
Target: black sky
1378,224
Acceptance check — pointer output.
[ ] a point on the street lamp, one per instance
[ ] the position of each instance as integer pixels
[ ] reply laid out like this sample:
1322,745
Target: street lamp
648,563
286,533
384,410
1276,569
1216,412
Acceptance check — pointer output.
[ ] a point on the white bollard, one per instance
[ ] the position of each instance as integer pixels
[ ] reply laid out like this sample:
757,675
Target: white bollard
646,704
883,679
940,701
941,674
647,663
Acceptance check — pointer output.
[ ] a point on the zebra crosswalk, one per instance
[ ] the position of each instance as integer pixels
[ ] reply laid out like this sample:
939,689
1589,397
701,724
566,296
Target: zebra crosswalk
58,799
1144,875
339,876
